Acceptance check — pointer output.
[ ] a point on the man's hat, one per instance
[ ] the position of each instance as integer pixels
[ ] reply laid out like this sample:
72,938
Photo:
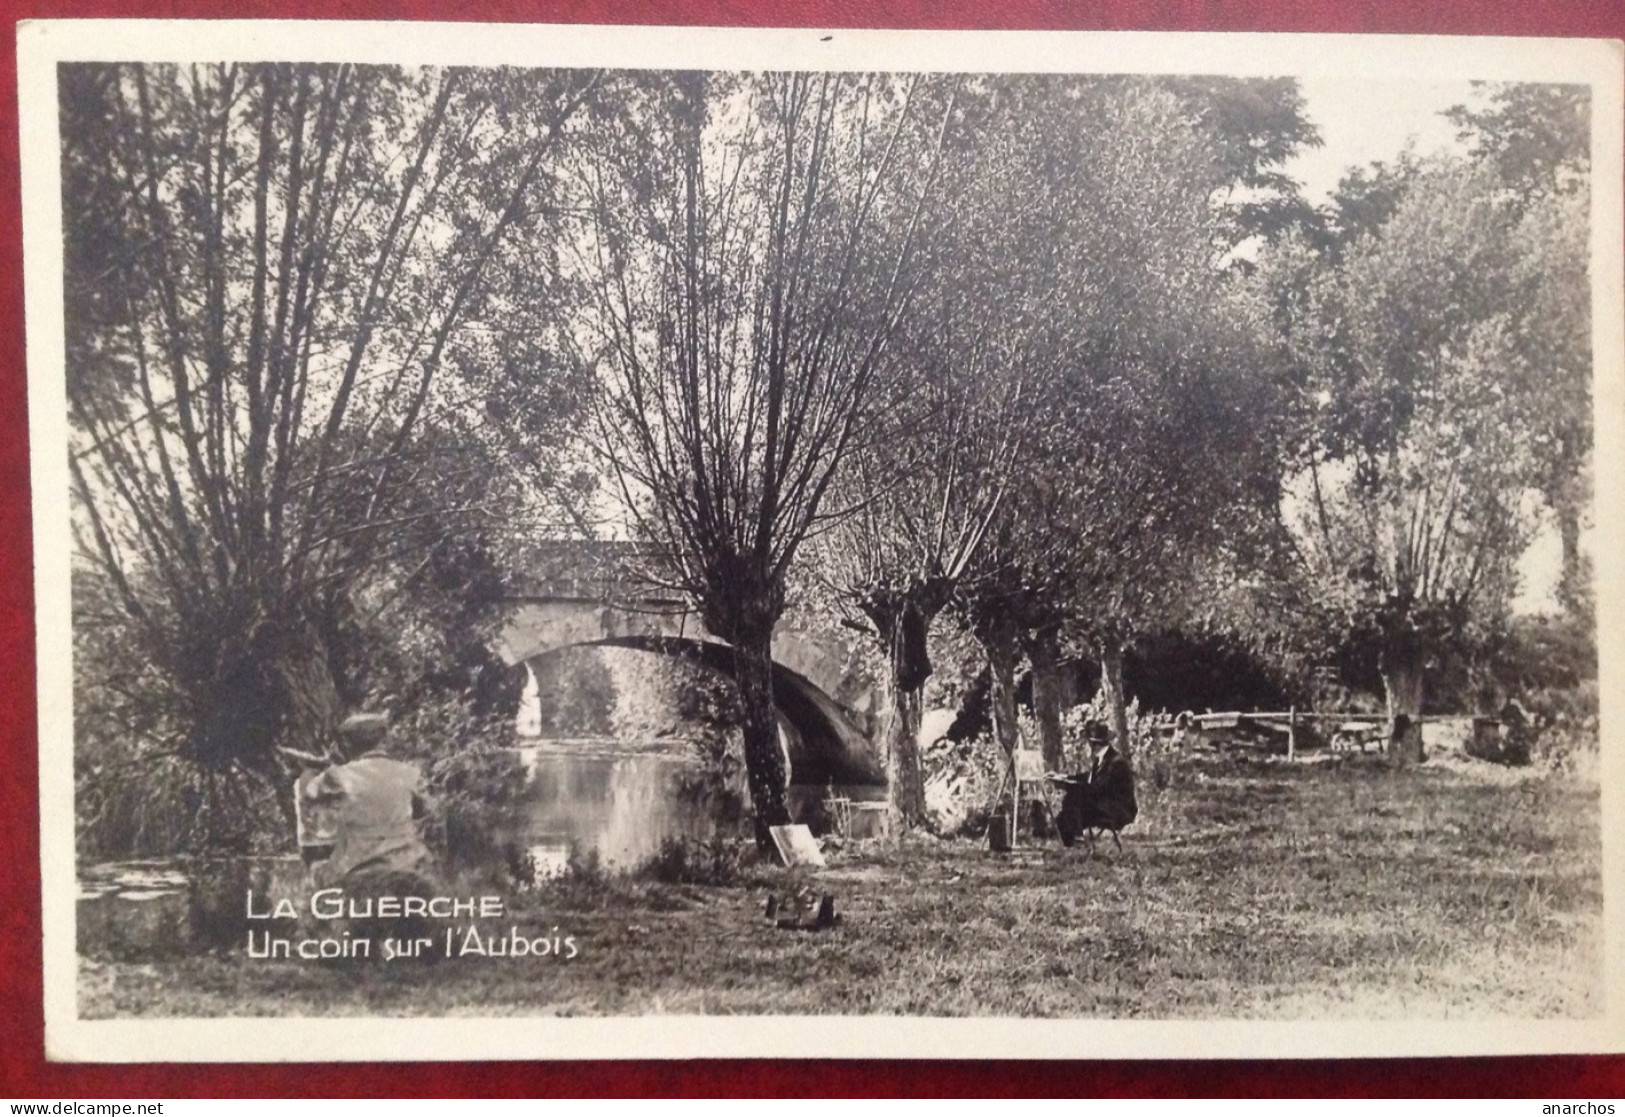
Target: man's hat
364,727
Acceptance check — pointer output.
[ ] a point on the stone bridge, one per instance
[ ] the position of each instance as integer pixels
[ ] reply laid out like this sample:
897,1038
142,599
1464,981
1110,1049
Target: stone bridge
575,595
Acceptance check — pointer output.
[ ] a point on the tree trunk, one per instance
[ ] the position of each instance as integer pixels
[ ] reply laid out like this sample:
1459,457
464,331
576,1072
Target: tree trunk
764,761
1568,530
1045,653
1574,589
903,624
903,755
1403,682
1001,665
1111,679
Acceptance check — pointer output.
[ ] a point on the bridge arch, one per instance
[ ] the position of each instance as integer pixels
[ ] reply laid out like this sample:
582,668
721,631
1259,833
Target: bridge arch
824,701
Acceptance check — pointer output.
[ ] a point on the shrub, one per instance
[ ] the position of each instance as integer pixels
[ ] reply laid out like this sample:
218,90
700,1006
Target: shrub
1565,725
710,861
584,882
479,802
709,708
974,823
716,784
961,777
144,804
584,868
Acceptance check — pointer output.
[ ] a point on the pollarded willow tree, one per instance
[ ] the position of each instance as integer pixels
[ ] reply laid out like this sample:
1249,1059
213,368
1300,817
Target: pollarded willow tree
927,493
269,269
1536,140
1157,440
918,503
749,253
1425,413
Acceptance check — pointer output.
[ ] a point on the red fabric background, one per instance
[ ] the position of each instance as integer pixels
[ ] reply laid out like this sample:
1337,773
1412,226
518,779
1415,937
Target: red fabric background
23,1071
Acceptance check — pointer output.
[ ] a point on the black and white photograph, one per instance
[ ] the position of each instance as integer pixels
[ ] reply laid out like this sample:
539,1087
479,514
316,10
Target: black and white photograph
646,542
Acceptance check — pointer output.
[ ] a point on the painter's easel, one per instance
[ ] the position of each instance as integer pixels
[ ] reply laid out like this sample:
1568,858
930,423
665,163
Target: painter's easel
1027,781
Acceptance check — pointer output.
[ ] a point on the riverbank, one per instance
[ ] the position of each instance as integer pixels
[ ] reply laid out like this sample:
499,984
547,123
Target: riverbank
1250,889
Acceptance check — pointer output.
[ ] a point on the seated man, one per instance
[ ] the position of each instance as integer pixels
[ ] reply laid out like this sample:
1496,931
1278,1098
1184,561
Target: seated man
370,806
1105,799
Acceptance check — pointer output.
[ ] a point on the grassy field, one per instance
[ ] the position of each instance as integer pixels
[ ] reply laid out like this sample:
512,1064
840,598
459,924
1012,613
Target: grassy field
1248,889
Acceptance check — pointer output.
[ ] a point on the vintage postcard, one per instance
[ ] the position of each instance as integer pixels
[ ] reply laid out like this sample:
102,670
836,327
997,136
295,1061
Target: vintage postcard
564,542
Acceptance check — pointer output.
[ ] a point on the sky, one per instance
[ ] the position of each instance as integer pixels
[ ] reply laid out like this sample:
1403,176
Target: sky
1362,120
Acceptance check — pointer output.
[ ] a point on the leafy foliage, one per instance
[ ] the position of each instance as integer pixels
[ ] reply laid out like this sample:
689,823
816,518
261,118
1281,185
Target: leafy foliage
743,268
1159,433
716,862
480,801
1422,408
269,274
1063,359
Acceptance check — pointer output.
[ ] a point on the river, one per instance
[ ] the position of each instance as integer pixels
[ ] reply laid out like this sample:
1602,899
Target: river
620,798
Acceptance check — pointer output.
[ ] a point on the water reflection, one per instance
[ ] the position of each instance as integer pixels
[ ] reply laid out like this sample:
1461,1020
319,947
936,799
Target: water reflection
622,799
